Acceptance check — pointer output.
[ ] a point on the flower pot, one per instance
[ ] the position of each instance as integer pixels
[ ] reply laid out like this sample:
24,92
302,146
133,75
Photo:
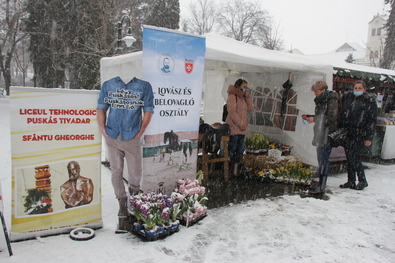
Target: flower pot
167,226
150,231
160,229
249,151
175,226
263,151
138,227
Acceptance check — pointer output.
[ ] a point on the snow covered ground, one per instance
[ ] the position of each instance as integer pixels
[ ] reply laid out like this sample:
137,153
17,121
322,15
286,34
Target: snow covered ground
352,226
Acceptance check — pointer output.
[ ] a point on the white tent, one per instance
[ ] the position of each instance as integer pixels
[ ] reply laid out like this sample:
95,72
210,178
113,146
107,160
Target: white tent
337,59
226,61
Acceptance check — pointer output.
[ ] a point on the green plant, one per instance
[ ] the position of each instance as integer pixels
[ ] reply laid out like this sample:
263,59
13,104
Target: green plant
257,141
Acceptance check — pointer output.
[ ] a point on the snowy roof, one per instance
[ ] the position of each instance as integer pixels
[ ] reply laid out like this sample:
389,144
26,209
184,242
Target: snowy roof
342,52
226,54
352,46
344,69
382,17
235,52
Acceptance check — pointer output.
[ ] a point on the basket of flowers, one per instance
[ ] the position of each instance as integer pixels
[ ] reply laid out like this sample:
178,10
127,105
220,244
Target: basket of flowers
256,143
192,199
156,216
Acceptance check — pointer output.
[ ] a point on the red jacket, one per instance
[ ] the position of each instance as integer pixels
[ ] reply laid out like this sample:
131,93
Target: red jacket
238,110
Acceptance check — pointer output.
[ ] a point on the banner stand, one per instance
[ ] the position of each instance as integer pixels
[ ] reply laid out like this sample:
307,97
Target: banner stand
7,239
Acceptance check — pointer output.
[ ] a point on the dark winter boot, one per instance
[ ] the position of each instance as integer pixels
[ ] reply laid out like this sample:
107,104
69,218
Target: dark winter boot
317,190
320,188
350,185
361,185
123,209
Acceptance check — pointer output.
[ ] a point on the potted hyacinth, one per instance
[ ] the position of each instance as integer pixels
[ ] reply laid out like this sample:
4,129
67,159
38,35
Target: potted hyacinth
151,211
166,213
155,214
193,206
177,200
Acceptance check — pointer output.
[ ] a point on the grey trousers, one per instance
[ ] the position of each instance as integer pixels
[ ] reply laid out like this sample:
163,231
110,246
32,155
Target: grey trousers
118,152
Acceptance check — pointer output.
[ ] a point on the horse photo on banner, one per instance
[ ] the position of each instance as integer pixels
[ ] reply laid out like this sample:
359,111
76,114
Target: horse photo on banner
173,62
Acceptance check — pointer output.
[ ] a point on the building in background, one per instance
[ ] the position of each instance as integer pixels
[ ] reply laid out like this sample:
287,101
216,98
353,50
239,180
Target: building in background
376,40
354,53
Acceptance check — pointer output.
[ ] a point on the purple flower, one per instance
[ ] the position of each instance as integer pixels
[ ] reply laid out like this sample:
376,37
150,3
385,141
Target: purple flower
166,213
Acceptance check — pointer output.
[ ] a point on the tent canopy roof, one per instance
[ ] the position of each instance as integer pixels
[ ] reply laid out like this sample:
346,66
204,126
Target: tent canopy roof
233,53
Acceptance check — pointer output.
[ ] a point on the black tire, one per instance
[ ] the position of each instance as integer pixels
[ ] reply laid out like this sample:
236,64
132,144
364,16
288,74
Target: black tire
82,234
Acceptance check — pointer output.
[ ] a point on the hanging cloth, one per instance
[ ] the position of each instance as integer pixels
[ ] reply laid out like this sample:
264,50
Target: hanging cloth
287,86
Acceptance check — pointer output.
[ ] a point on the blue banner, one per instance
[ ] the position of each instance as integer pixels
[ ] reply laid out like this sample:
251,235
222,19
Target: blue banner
173,62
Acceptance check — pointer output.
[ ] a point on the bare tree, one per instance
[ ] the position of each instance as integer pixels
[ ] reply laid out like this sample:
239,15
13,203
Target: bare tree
184,24
375,56
270,36
203,16
11,12
242,20
21,59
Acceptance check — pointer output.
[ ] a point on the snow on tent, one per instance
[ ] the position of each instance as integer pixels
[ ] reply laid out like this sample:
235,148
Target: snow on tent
265,71
342,68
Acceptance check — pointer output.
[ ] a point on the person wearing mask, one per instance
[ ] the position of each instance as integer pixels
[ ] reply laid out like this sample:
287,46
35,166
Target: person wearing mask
326,109
358,116
239,103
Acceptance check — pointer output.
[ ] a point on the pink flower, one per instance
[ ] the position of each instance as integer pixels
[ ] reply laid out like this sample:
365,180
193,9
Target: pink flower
200,210
202,190
180,182
192,184
176,197
188,181
182,190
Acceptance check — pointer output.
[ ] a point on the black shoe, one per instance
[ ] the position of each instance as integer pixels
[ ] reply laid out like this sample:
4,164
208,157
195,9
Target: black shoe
350,185
317,190
361,185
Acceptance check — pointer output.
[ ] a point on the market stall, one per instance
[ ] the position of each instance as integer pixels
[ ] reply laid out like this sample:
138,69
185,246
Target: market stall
386,132
265,71
388,149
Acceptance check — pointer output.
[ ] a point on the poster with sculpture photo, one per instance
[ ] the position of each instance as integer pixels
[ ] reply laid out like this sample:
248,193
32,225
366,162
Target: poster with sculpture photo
173,62
55,154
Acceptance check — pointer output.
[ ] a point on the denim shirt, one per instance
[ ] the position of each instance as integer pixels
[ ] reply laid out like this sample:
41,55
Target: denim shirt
125,103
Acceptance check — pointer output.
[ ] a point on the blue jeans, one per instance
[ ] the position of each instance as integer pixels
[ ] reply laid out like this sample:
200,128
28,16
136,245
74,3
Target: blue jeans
236,147
323,154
